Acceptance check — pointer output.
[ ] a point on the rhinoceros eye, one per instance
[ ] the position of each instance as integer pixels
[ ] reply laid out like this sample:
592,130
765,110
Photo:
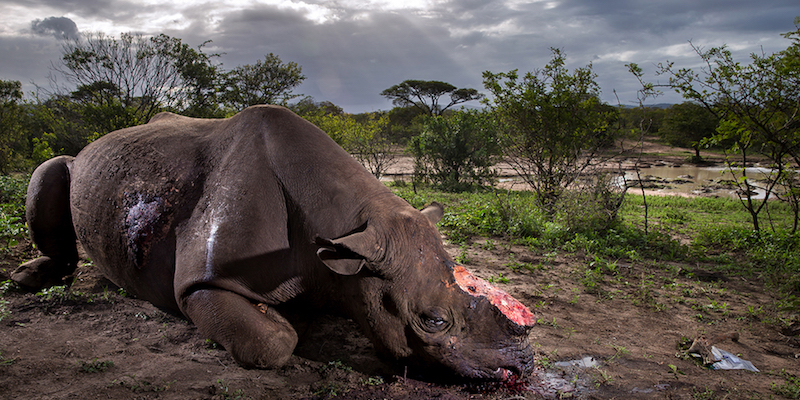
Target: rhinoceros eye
434,320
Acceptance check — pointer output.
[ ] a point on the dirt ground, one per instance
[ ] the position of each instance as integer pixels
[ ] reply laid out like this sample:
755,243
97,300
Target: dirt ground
633,327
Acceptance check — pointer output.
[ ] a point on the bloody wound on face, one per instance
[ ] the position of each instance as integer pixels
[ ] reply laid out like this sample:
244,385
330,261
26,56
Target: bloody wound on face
509,306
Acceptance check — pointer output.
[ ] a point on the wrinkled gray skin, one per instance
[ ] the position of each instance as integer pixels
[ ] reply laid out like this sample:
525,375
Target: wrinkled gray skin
211,217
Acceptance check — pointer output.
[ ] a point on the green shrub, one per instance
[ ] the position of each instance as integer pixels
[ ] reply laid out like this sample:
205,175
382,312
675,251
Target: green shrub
13,189
456,152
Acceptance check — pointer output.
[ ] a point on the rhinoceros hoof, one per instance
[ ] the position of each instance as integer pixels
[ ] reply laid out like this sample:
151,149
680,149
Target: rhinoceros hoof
38,273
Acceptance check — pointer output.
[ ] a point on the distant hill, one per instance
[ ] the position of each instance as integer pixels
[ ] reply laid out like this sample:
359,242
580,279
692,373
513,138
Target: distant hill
657,105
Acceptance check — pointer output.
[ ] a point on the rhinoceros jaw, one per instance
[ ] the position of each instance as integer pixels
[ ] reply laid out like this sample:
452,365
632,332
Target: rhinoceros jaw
509,306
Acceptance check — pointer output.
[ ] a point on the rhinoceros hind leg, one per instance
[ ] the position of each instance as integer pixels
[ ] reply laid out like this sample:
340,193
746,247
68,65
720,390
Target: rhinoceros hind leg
50,226
255,337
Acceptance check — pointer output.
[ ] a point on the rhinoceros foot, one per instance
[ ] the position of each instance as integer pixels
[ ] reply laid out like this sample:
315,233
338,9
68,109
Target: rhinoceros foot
41,272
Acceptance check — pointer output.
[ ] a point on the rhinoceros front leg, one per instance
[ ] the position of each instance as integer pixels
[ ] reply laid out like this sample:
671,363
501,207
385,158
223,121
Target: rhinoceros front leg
256,337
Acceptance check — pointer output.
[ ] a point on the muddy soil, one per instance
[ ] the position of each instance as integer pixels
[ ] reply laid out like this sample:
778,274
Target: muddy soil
631,324
93,343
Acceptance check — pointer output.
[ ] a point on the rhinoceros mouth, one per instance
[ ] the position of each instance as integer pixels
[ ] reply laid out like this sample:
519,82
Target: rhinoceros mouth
517,368
500,374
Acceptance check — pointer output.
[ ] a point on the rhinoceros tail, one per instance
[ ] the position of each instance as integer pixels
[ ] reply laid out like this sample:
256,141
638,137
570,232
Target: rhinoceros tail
50,226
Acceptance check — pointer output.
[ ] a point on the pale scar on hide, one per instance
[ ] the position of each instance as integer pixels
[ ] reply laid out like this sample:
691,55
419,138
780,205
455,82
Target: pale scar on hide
509,306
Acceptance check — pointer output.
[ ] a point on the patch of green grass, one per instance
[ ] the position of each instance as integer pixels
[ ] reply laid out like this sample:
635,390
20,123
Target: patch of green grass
224,392
8,286
481,213
329,389
707,394
337,364
500,278
6,361
463,255
372,381
601,377
619,351
95,365
64,294
673,369
4,310
789,388
137,385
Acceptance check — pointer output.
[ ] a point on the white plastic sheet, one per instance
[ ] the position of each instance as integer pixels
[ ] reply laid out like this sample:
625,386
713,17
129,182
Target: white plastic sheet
727,360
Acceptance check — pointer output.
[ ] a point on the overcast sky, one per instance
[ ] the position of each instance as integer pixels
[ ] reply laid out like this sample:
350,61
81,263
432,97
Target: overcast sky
351,50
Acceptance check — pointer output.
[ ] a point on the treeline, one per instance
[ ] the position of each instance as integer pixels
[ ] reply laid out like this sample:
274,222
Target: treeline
549,124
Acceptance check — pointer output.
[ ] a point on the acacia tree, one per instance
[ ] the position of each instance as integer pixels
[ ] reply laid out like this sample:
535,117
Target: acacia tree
266,82
554,124
426,95
758,106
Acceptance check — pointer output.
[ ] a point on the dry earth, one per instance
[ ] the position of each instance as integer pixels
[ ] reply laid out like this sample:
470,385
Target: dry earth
101,345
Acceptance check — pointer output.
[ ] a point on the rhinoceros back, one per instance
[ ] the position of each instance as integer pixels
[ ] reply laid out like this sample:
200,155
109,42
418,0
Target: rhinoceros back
128,191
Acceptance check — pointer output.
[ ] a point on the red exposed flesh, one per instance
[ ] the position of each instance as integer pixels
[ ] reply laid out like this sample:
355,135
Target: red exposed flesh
509,306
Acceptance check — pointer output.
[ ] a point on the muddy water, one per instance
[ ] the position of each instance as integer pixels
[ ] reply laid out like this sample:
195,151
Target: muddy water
668,179
695,180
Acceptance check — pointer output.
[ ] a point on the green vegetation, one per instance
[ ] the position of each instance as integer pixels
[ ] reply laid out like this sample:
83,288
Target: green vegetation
789,388
756,106
6,361
124,81
372,381
65,294
329,389
548,123
364,136
4,311
711,231
686,125
12,210
552,123
456,152
95,365
426,95
226,393
139,385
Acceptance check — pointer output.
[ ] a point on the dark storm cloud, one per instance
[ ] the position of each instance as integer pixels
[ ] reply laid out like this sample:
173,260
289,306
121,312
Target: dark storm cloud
59,27
352,50
114,10
351,60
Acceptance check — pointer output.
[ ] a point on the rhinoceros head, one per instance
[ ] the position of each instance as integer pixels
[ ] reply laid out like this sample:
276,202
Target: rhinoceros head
418,306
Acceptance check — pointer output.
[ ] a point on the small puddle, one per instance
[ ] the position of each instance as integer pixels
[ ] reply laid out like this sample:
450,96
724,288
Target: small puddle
585,362
567,379
695,180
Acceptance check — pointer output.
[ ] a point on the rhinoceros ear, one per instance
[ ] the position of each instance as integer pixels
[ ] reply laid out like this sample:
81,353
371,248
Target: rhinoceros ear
434,212
342,266
348,254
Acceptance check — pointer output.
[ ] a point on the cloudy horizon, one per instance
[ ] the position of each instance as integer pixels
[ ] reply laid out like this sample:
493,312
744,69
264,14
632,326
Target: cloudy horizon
351,50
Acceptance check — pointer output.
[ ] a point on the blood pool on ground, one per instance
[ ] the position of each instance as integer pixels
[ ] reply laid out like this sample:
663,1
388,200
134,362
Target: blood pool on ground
509,306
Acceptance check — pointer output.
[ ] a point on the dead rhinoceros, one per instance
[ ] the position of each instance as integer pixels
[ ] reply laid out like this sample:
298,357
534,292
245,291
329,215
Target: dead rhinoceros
226,220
